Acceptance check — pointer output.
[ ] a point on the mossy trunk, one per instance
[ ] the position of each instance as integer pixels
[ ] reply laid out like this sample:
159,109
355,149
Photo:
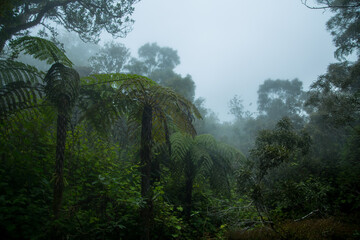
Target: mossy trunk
59,163
62,122
56,232
146,212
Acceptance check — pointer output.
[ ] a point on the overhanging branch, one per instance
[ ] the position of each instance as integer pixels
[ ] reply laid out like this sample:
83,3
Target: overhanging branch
328,5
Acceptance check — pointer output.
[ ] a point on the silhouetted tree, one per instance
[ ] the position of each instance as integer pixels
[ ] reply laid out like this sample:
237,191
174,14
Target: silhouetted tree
87,18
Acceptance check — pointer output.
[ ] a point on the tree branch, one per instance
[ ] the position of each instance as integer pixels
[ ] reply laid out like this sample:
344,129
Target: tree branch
330,6
307,215
40,14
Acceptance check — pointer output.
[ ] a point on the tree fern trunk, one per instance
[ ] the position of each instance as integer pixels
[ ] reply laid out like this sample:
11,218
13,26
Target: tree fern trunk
189,175
145,155
59,163
56,232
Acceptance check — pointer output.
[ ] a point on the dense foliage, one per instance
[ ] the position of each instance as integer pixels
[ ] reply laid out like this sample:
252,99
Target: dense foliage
87,18
87,152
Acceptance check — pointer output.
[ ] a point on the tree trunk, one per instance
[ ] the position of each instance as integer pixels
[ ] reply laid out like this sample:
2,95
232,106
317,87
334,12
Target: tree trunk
146,214
4,37
59,162
62,121
189,174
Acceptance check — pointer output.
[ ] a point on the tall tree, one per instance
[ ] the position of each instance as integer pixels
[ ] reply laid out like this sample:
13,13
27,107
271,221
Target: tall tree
184,86
110,59
152,57
281,98
334,97
272,149
22,86
344,25
86,17
155,108
158,63
156,57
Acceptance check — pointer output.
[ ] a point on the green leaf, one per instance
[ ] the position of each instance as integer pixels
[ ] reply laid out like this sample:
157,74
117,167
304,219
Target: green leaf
41,49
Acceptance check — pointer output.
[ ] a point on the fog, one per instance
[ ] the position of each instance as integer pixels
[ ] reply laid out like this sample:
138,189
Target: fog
230,47
199,124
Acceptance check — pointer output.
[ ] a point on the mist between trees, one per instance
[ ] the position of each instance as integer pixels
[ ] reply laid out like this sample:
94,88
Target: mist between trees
99,144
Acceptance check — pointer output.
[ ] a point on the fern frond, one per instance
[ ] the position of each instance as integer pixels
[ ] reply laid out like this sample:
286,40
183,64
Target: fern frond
40,49
226,151
158,148
62,86
202,159
12,71
119,80
96,79
207,141
98,107
17,96
180,145
180,112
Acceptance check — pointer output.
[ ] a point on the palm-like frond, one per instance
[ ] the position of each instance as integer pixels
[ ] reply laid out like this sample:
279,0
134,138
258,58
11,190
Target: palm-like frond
229,152
62,86
180,146
117,79
12,71
20,87
105,97
202,160
99,105
17,96
209,157
179,110
207,141
167,105
40,49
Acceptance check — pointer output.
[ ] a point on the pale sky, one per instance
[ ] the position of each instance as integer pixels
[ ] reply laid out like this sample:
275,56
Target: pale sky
231,46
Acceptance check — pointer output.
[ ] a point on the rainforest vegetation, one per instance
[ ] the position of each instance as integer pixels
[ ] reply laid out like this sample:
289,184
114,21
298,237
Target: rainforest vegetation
105,145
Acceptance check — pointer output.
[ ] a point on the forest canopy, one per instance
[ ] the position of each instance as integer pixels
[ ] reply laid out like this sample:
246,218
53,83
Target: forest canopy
108,145
87,18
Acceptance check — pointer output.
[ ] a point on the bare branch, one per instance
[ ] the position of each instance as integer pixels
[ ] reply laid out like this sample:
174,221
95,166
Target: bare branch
307,215
328,5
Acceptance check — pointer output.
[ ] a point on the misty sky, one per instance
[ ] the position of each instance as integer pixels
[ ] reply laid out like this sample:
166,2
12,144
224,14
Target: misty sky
231,46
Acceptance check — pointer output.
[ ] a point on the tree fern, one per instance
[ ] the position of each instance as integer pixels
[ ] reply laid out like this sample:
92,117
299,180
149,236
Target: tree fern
180,145
155,107
40,49
22,86
101,106
12,71
202,156
147,104
62,84
17,96
133,92
207,141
